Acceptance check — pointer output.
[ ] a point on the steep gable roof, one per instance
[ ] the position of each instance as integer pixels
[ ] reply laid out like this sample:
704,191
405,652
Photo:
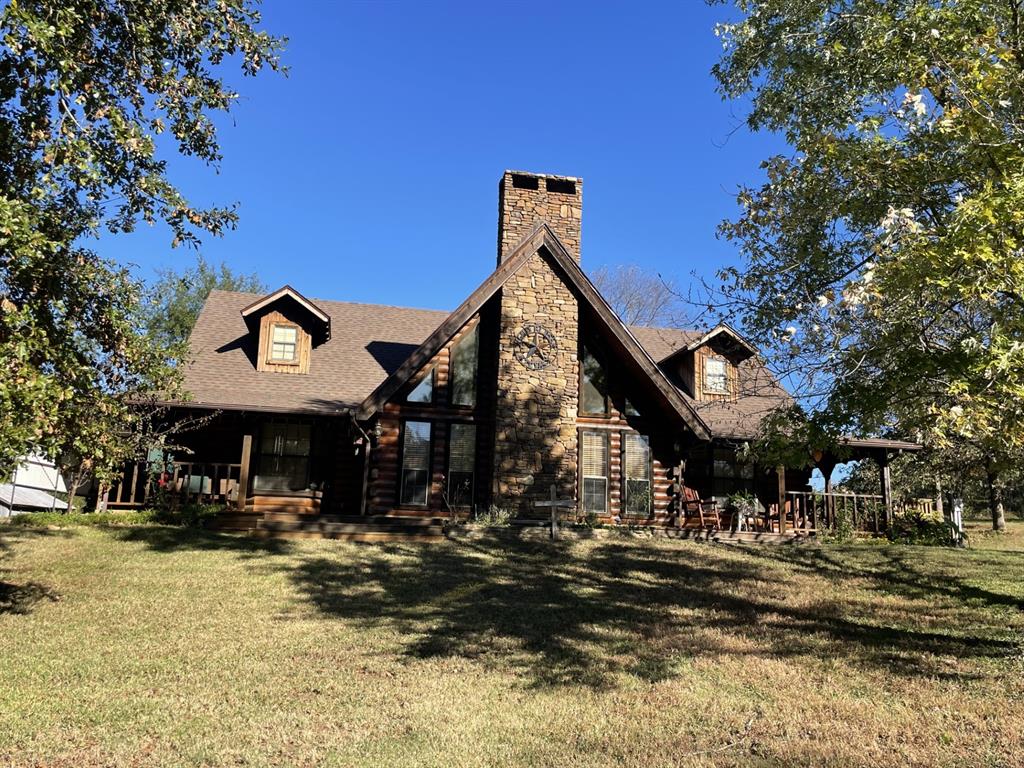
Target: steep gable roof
288,295
371,341
370,344
540,239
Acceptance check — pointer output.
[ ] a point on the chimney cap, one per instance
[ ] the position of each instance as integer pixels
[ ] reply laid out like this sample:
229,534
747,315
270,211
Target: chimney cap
510,172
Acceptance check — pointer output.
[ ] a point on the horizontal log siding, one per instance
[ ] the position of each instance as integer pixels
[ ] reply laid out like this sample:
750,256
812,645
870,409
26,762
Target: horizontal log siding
619,424
615,473
385,473
345,473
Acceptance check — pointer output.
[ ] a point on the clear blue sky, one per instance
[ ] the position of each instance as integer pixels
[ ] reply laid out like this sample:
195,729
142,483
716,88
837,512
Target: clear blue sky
370,172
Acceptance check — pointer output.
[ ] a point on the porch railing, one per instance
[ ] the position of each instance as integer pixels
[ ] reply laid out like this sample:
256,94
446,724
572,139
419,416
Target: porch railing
812,511
188,482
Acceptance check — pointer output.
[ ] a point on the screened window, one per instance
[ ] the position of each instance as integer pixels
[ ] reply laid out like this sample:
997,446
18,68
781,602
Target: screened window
595,473
284,457
415,462
638,474
424,391
463,369
595,385
284,343
715,376
461,461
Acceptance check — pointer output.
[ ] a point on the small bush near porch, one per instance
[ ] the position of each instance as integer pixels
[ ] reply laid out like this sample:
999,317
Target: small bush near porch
152,645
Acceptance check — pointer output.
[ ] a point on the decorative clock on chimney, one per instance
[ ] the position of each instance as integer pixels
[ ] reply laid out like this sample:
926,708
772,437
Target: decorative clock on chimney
535,346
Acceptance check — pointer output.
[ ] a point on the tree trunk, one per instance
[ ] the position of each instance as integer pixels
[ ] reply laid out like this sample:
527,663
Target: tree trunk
995,502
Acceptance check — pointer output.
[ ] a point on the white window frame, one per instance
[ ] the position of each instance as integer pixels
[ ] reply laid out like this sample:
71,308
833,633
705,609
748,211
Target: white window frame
272,356
709,387
602,435
627,437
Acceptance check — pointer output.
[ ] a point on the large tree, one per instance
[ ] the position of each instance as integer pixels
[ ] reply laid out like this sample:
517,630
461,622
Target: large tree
637,296
176,298
882,264
90,90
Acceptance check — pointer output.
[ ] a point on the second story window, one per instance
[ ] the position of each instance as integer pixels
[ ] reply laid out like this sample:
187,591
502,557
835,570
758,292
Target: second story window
594,385
424,391
716,377
284,344
463,369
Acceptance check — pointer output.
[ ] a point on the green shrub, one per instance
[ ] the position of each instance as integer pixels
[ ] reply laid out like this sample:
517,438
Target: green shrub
917,528
188,516
494,516
75,519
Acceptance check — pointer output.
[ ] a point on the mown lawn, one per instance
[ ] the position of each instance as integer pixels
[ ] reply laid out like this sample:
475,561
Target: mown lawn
153,645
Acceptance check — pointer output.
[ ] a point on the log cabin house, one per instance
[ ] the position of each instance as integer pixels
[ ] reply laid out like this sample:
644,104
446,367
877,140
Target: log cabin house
336,412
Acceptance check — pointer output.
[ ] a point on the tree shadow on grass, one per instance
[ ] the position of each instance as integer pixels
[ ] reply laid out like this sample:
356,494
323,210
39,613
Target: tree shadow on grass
21,598
176,539
900,570
558,618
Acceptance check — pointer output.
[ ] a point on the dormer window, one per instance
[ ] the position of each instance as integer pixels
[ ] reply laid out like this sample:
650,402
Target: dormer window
285,327
716,376
284,343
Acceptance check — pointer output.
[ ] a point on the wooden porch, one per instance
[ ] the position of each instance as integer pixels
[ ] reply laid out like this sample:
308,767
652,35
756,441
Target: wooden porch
812,512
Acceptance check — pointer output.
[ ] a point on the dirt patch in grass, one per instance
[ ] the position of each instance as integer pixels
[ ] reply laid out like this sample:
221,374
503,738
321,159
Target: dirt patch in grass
178,647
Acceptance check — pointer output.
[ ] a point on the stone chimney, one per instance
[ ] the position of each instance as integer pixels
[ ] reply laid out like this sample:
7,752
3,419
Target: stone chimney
526,198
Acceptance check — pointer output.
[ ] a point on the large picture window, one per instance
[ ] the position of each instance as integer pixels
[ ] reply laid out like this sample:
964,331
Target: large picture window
415,462
463,369
594,385
637,463
595,472
461,461
284,457
716,377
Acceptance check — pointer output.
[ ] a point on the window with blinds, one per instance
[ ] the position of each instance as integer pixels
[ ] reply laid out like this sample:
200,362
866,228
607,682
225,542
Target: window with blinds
461,462
595,472
415,462
637,468
284,342
463,369
716,379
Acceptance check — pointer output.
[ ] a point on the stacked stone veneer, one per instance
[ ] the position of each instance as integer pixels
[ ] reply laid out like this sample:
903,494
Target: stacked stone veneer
535,414
521,207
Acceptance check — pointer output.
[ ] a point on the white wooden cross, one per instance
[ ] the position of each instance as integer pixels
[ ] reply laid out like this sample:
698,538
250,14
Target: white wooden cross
555,504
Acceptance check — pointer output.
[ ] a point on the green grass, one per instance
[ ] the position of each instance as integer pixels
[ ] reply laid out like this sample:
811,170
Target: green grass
153,645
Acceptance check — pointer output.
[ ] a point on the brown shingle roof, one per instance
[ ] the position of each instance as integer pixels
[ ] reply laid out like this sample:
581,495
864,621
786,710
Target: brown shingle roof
759,392
370,341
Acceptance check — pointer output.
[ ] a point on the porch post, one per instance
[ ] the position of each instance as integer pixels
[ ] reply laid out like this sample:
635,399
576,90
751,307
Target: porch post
364,493
243,472
781,472
827,465
883,472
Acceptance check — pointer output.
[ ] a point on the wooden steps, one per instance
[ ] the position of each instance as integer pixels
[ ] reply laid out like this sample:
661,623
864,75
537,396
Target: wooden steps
351,528
304,521
235,522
